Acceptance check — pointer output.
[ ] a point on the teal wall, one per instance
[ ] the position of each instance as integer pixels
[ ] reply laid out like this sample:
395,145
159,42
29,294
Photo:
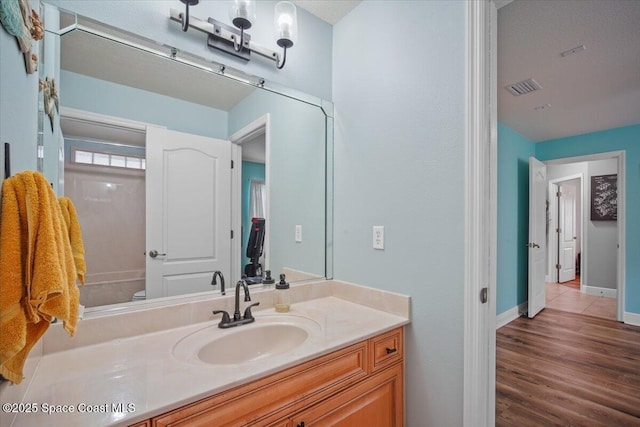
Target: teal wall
512,280
250,171
514,151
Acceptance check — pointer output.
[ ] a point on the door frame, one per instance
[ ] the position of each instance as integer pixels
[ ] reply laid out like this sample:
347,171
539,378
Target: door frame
480,246
260,125
621,261
553,209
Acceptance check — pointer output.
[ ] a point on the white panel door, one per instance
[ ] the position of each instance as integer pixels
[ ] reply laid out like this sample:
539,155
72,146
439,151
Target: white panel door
188,211
537,245
567,235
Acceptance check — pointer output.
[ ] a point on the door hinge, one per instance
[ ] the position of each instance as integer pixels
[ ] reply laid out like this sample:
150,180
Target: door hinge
484,295
558,194
232,234
232,164
558,266
558,230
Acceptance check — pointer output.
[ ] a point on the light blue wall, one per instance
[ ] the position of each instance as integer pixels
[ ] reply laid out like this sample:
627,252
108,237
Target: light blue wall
308,66
18,106
624,138
514,151
296,162
250,171
99,96
399,163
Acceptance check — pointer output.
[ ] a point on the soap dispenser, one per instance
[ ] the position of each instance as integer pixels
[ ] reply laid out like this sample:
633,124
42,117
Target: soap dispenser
282,297
268,280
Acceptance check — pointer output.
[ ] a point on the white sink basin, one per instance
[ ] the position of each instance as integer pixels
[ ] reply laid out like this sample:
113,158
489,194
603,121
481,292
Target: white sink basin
269,335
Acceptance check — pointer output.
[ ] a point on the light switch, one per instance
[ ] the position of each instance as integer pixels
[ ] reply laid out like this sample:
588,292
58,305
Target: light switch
298,233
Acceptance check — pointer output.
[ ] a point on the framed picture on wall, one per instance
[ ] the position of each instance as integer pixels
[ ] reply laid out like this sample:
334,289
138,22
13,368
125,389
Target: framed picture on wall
604,197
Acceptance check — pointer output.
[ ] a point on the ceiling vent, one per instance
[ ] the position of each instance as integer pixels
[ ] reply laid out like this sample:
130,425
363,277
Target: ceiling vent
523,87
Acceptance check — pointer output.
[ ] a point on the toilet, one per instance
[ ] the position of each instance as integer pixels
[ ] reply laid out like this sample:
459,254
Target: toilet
140,295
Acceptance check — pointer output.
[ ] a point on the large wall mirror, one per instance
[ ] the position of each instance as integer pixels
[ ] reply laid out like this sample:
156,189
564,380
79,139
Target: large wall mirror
169,157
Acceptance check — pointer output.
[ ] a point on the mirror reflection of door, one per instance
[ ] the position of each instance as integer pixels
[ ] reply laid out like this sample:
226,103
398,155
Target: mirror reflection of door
254,191
107,168
188,220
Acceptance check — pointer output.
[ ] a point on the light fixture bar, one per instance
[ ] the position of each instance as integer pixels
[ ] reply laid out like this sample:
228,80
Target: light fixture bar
222,31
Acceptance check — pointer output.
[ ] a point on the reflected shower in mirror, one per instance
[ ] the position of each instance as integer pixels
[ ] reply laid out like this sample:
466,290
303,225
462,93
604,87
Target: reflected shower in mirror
112,94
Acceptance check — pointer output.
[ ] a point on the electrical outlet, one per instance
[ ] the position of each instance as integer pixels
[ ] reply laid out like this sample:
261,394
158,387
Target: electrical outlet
298,233
378,237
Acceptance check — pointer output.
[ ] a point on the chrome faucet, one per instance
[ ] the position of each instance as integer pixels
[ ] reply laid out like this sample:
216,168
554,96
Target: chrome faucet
214,282
226,322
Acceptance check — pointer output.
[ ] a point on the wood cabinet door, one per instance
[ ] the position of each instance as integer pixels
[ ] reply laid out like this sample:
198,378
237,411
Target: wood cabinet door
375,402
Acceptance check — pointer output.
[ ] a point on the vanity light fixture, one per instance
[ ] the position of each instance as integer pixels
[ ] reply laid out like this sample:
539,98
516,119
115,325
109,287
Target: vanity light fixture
234,40
185,21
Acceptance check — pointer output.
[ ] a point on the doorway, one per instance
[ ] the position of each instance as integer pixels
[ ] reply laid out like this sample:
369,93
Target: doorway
598,260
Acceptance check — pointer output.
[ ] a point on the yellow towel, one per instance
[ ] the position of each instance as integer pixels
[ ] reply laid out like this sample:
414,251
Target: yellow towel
75,235
37,272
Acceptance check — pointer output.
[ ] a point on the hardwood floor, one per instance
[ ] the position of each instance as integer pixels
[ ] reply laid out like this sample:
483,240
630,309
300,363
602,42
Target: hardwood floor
567,369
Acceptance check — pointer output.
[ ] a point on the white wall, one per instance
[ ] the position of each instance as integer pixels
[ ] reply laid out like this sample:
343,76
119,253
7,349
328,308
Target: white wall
399,95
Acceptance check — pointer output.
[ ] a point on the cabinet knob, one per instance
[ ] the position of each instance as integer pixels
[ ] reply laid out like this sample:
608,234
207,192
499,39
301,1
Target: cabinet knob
391,350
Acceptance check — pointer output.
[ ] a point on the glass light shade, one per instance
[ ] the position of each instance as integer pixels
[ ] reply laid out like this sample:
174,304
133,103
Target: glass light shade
286,24
243,13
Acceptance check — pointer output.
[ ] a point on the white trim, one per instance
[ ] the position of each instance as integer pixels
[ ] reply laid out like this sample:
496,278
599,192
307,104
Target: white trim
236,214
598,291
477,321
510,315
631,318
105,120
248,132
622,227
492,172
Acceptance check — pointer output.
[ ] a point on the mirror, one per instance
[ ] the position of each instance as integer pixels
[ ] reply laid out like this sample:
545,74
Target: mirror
113,86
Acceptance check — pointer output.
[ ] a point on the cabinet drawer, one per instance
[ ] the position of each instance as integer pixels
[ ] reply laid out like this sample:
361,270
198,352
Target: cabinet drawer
260,403
386,349
376,401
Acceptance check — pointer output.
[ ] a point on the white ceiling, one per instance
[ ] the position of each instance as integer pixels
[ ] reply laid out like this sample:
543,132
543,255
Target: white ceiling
330,11
596,89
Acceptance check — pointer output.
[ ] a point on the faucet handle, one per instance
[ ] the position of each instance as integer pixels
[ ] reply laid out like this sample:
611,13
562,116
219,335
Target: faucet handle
225,316
247,311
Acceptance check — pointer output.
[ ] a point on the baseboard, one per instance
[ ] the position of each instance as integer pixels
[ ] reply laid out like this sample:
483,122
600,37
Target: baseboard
600,292
510,315
631,318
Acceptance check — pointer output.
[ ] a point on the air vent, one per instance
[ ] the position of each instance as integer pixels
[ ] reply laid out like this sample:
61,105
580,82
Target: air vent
523,87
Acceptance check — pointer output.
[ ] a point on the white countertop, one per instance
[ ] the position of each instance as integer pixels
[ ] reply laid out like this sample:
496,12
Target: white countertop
143,374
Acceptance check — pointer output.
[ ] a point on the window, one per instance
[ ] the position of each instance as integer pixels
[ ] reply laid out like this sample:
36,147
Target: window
106,159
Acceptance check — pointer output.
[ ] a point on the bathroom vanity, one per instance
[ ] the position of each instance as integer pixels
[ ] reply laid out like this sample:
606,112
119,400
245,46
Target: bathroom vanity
338,358
359,385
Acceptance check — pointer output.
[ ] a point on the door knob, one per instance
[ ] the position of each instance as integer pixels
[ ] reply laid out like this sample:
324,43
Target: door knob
153,253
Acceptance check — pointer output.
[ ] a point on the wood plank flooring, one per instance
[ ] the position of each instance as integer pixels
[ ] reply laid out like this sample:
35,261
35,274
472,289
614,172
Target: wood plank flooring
567,369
